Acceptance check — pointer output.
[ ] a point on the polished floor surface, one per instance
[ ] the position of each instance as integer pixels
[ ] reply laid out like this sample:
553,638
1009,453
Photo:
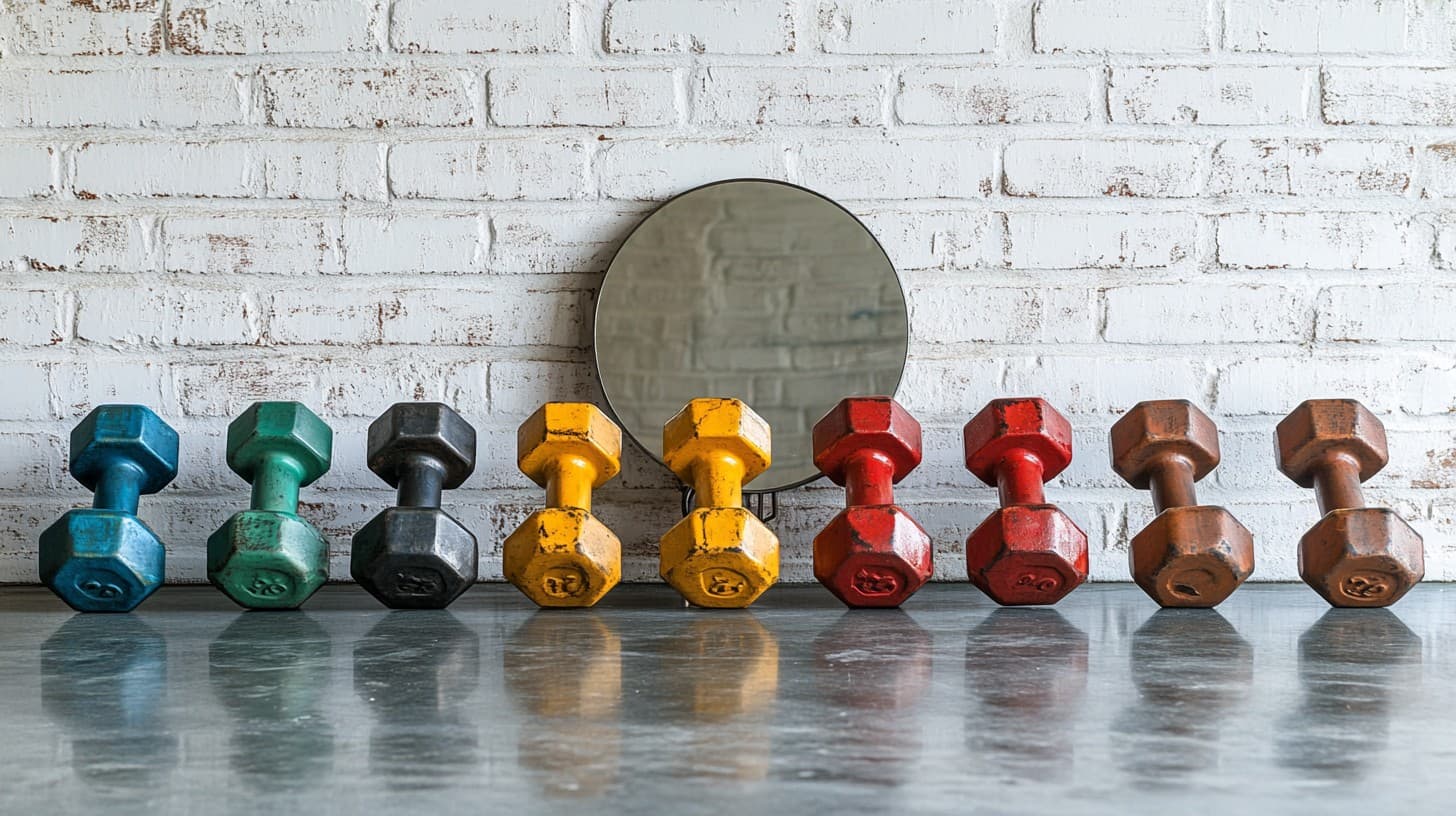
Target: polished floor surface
1274,703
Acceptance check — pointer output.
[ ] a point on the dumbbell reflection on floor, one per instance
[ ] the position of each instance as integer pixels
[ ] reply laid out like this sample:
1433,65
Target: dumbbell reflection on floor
1190,555
1028,551
720,554
562,555
872,553
415,555
1355,555
103,558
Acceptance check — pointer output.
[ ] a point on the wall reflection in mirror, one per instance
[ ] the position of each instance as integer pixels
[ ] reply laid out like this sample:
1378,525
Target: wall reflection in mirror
756,290
270,673
1192,669
564,675
104,684
1353,665
1027,671
415,672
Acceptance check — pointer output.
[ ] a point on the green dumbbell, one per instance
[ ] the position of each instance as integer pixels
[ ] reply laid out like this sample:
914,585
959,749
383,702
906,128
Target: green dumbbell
266,557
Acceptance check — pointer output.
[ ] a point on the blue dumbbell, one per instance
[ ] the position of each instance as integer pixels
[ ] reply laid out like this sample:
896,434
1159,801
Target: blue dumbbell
103,558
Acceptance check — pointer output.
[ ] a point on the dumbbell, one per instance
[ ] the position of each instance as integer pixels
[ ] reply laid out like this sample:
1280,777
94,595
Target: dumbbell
720,554
562,555
415,555
1354,555
1028,551
103,558
872,553
266,557
1190,554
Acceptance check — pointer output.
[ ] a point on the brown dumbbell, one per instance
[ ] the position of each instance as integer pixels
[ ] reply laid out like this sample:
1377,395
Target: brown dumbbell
1190,555
1355,555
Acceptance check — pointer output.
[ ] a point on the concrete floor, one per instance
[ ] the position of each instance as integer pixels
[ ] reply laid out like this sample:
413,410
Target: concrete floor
1103,705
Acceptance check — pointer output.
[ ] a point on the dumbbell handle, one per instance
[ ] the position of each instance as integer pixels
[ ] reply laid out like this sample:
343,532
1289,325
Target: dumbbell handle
718,481
275,483
1019,478
119,488
421,481
569,482
1171,478
869,477
1337,483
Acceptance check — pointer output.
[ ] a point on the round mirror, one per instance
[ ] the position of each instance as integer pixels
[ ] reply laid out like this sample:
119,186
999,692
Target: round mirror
752,289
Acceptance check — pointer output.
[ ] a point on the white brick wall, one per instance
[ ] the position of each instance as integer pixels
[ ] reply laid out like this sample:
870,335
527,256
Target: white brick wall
354,202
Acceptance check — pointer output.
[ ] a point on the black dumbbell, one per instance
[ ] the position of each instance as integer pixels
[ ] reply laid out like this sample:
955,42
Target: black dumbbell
416,556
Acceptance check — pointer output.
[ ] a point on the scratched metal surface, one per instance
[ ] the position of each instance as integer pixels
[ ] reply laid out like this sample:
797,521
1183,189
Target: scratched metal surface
1273,703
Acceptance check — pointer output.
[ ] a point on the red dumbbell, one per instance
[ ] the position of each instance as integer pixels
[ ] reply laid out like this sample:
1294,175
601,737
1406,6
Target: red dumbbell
872,553
1027,552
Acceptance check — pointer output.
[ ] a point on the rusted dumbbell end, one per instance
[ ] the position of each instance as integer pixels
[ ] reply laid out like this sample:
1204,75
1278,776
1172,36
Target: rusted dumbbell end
1354,555
1190,555
1028,551
872,553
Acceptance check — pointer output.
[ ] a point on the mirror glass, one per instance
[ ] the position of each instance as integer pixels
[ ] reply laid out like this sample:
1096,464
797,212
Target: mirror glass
752,289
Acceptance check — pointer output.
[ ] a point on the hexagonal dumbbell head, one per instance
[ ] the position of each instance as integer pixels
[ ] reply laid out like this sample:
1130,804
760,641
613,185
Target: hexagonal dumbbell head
104,559
417,556
1192,556
267,557
1028,551
720,554
1158,429
1354,556
872,554
562,555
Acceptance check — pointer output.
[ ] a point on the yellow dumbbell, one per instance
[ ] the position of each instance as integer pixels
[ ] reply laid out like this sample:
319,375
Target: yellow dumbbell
720,554
561,555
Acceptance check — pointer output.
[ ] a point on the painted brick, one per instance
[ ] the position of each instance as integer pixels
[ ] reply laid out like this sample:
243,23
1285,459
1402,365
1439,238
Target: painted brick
825,97
81,386
497,170
1438,170
224,388
1207,95
345,317
699,27
1272,386
66,28
517,388
34,462
1055,168
369,97
1319,240
81,244
557,243
1120,26
1210,313
1390,96
899,168
941,315
251,246
31,317
653,169
480,26
975,95
145,97
1316,26
25,171
270,26
133,316
1069,240
415,245
1302,167
531,318
1418,311
598,97
27,392
880,27
917,239
1101,384
322,171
